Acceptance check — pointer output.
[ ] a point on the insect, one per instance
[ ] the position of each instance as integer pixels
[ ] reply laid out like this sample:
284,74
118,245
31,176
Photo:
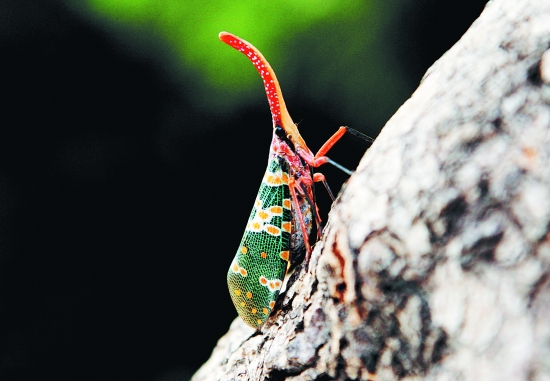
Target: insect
281,220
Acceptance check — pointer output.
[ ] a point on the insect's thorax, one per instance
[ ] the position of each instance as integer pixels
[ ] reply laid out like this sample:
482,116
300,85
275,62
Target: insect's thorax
297,167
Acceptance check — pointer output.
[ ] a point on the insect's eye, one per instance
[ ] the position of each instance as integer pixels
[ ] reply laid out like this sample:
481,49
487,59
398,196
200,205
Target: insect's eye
280,132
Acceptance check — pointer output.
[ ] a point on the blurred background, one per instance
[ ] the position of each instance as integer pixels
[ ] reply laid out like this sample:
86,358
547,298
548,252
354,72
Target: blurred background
132,145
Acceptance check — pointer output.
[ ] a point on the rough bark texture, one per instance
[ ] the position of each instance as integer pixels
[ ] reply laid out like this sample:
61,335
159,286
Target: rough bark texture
436,259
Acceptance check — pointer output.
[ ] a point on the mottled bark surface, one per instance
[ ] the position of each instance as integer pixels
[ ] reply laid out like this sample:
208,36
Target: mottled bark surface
436,259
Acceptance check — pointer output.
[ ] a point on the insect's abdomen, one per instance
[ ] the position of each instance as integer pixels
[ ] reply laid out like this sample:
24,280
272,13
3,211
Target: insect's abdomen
257,271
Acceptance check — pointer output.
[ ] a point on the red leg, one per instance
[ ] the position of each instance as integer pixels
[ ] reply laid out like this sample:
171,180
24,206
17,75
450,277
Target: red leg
292,185
309,196
320,157
320,178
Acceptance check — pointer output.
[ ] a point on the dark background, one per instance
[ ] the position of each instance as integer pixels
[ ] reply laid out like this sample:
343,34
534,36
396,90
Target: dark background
118,223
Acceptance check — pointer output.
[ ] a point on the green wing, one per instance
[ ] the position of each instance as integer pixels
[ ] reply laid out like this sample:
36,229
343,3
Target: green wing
256,274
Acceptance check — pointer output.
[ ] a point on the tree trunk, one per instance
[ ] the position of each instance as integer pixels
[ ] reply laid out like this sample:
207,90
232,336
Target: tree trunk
435,261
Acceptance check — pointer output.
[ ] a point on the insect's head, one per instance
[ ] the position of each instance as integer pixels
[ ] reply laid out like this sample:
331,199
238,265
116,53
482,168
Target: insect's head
281,134
281,118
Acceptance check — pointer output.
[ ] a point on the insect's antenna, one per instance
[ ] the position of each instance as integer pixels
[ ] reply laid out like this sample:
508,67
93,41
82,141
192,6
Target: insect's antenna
358,134
353,132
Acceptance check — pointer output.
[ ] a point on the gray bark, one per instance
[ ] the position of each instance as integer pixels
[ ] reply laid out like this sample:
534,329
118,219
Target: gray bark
435,261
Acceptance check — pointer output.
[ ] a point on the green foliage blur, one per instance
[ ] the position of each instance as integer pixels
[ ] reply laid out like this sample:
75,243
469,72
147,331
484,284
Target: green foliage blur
328,54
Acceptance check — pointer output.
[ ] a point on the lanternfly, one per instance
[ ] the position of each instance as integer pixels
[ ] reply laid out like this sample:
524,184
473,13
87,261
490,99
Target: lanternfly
281,220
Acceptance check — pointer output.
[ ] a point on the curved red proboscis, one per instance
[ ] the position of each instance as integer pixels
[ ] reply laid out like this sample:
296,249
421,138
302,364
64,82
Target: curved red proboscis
271,85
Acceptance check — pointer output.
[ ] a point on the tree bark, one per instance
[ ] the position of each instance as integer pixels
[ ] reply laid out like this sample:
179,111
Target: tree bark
435,261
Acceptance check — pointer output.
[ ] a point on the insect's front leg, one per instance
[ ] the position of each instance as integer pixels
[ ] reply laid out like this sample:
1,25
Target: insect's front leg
320,157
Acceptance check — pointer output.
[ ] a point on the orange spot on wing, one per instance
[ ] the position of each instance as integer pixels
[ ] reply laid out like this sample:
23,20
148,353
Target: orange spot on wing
286,203
263,215
259,321
243,271
243,304
272,304
278,284
249,295
263,281
256,226
285,178
273,180
235,267
277,210
265,311
254,311
238,292
244,249
287,226
285,255
264,255
273,230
